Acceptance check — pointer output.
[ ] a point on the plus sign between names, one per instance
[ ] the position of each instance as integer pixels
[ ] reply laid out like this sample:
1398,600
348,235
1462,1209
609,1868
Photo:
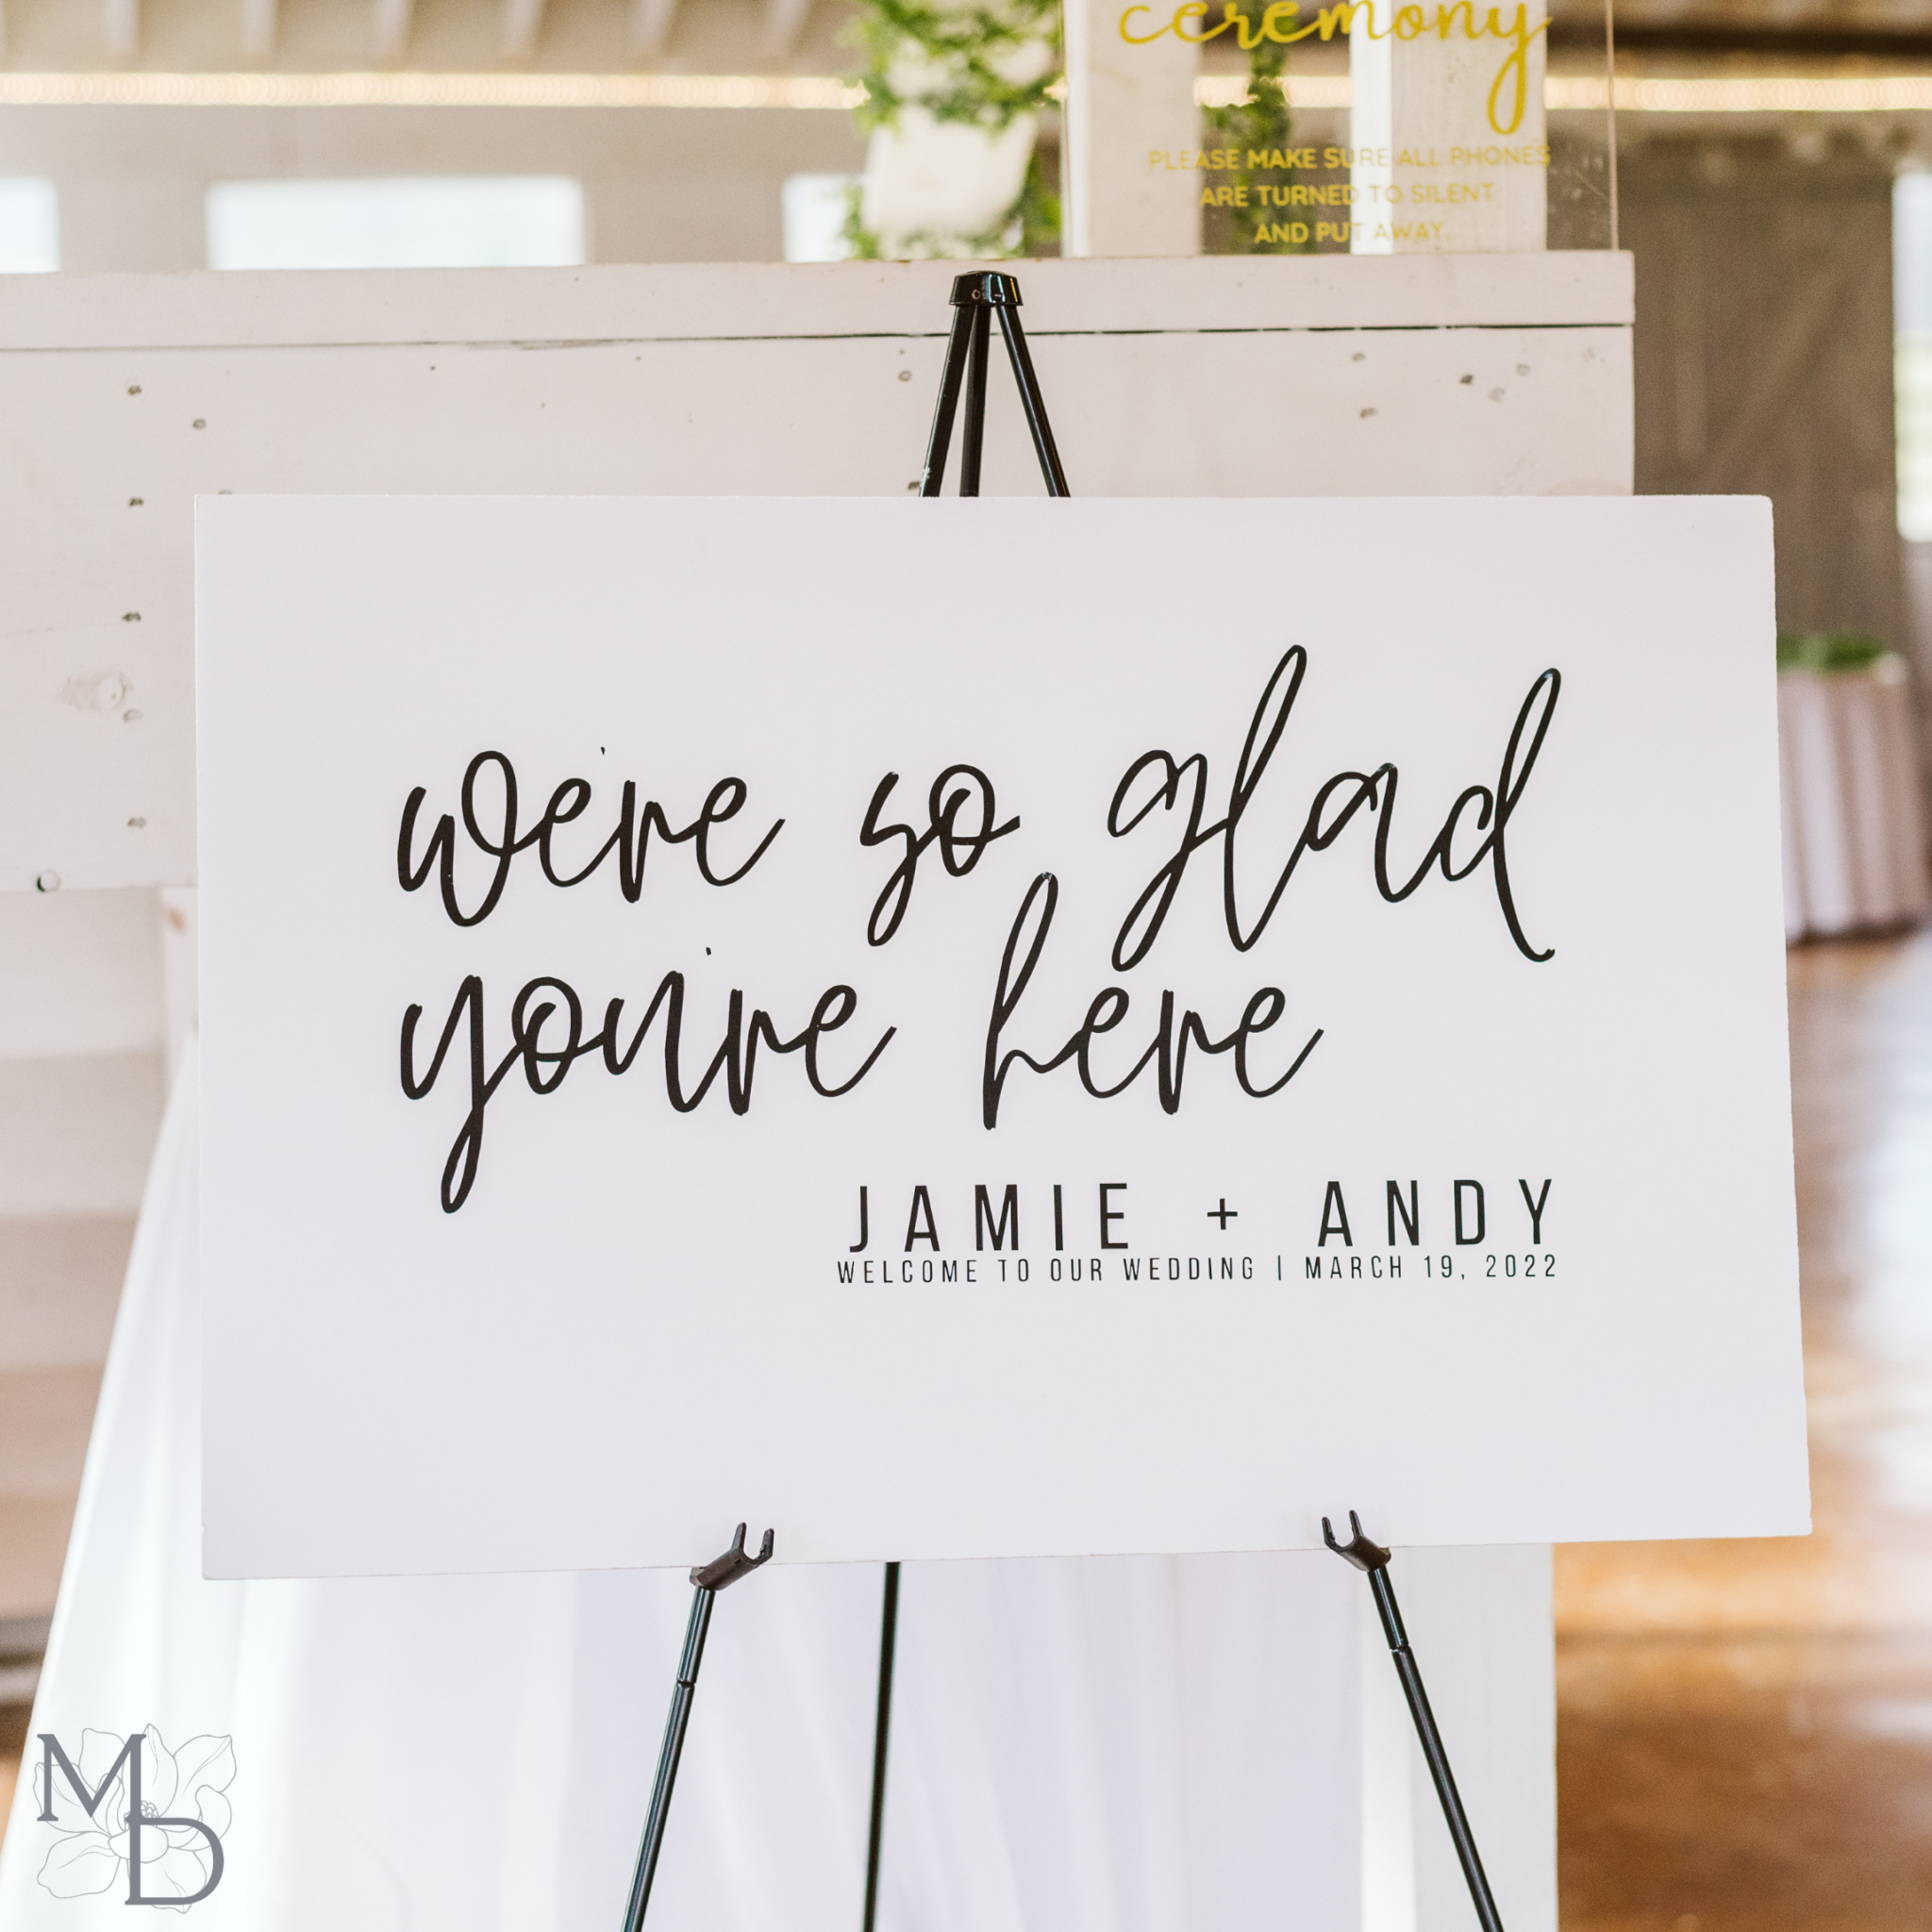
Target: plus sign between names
1223,1213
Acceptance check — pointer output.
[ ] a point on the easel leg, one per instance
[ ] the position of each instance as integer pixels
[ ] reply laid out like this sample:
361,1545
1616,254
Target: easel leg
889,1637
941,439
667,1759
1373,1559
1035,403
705,1583
974,438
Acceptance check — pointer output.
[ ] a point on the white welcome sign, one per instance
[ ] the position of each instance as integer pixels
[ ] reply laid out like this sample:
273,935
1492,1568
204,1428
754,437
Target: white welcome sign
975,1028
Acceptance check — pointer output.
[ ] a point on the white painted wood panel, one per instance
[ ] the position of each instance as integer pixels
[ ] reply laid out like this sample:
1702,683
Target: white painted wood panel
1325,376
743,301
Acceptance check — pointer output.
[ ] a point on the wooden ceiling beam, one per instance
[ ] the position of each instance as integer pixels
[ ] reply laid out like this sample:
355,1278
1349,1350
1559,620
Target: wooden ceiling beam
259,29
1694,37
122,21
523,20
651,22
779,30
393,23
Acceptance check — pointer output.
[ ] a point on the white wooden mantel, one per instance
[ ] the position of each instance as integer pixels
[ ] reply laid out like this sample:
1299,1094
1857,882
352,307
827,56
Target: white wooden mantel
125,396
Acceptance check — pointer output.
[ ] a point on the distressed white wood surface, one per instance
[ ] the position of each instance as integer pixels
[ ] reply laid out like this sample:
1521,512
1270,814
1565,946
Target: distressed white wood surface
745,300
1327,376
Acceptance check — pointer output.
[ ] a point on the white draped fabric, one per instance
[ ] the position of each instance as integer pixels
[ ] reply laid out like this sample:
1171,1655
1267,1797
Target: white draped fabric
1126,1745
1853,812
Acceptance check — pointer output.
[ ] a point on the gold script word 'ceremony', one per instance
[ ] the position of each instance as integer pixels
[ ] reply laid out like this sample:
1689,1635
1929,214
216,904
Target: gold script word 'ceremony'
1408,24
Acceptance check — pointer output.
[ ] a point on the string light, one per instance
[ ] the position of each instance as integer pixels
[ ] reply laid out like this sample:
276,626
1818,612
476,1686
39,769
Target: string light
417,89
1902,93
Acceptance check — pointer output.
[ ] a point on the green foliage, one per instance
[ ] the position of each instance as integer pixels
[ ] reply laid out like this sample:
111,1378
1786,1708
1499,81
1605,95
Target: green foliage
1828,650
860,240
967,54
965,57
1261,124
1038,211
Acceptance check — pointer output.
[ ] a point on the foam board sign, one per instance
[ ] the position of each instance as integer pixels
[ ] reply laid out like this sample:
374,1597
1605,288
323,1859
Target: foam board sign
987,1028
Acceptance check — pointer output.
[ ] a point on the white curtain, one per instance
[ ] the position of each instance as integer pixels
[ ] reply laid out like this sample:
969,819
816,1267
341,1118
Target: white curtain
1134,1745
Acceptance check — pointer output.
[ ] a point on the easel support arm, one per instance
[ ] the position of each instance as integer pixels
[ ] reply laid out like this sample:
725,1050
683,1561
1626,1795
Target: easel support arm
1373,1559
707,1582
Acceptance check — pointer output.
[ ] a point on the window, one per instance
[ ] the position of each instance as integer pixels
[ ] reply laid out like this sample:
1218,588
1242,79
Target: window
516,221
814,212
29,226
1912,284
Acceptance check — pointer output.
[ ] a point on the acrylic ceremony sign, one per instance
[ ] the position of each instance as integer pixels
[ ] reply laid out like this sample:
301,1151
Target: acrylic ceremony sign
1447,149
974,1028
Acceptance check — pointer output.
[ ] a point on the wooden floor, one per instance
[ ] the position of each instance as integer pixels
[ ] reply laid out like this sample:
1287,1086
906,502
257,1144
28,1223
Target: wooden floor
1744,1732
1744,1729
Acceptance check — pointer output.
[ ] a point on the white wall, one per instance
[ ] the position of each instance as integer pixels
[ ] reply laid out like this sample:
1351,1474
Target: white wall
80,1099
660,184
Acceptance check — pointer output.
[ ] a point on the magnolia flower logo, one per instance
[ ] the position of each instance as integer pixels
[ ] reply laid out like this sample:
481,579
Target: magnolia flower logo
133,1808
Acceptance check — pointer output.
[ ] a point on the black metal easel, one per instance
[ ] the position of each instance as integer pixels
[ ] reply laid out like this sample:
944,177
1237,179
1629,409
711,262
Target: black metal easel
882,1733
1373,1559
718,1574
976,299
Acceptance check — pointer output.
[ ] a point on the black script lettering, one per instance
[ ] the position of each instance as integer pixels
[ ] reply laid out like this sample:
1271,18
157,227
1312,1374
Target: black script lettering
546,1065
1168,1051
501,840
960,852
1182,784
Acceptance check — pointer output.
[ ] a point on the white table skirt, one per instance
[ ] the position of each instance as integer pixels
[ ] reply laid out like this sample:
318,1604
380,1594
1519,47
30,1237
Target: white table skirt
1853,816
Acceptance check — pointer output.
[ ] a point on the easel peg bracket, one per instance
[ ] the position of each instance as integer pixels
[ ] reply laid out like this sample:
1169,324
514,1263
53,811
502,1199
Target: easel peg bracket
722,1571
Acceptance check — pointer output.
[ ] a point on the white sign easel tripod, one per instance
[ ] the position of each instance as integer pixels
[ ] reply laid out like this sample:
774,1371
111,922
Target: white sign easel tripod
976,297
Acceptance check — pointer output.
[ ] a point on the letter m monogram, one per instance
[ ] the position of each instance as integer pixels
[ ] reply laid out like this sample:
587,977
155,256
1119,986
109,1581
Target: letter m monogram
51,1755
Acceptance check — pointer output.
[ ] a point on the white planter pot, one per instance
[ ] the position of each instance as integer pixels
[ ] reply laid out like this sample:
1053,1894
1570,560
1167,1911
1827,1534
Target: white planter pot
927,178
1853,816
